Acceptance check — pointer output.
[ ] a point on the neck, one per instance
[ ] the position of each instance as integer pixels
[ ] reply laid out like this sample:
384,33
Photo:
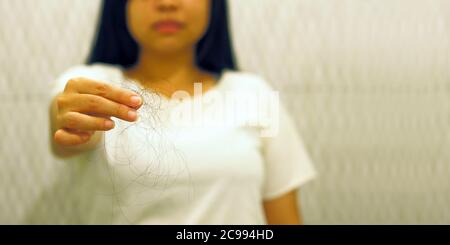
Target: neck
178,68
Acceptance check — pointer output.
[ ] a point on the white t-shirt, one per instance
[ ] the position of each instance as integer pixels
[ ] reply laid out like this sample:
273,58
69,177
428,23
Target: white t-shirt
198,171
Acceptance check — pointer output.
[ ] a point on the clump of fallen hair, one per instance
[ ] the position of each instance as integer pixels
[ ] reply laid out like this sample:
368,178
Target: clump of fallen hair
161,170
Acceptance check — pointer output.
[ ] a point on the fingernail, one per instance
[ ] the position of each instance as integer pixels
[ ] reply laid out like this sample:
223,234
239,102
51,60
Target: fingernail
132,115
84,136
136,100
109,124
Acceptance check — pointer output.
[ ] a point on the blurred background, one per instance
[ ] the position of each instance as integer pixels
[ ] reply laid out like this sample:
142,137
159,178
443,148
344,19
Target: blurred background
368,83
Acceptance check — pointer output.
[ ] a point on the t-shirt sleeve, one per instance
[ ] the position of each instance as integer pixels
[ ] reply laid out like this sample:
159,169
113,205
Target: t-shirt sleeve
288,165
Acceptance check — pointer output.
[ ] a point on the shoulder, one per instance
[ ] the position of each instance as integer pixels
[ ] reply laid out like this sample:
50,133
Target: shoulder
245,81
96,71
100,72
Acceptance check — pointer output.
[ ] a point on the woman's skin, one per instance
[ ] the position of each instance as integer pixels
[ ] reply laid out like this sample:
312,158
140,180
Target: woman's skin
167,51
167,32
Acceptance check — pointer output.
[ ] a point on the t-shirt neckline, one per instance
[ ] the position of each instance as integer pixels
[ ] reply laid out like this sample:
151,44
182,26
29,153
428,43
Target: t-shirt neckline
220,78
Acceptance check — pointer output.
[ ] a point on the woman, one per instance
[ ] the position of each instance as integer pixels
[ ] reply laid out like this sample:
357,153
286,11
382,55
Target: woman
231,174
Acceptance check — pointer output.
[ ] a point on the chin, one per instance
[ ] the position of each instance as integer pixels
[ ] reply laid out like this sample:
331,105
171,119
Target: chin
169,47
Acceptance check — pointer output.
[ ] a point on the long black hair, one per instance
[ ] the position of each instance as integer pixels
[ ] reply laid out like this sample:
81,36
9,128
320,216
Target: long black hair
114,44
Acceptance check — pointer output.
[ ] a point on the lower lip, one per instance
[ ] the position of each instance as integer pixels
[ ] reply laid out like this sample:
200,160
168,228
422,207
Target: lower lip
168,28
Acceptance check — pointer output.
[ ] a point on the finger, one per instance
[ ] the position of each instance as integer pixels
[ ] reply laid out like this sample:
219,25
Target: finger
66,138
98,115
79,131
82,122
119,95
88,104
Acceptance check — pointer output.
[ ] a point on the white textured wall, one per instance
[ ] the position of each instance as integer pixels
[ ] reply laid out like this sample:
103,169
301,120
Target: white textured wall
367,81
